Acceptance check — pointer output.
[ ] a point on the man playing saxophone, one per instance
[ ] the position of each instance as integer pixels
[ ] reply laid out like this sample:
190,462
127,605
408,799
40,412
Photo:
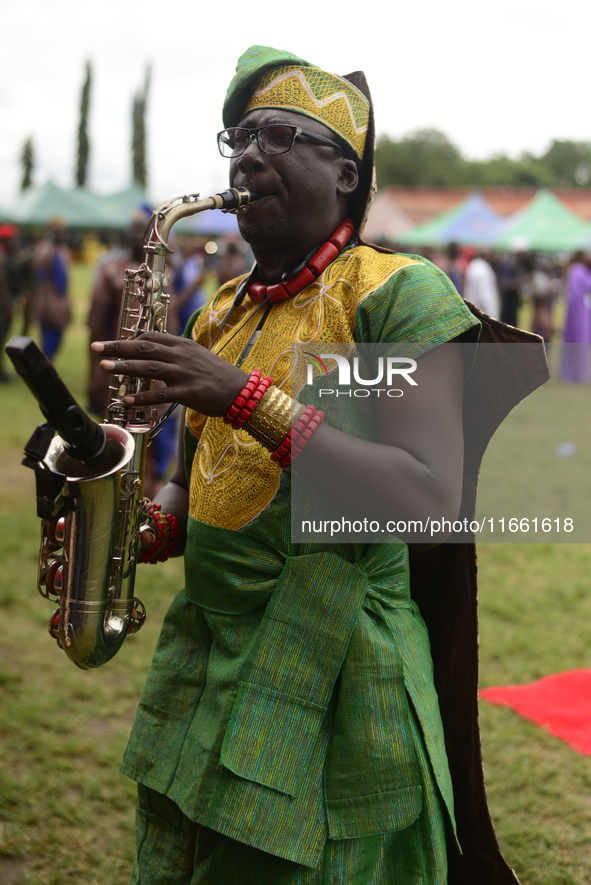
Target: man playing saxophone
290,730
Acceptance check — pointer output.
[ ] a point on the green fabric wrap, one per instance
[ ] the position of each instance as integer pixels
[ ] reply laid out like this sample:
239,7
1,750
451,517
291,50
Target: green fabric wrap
286,686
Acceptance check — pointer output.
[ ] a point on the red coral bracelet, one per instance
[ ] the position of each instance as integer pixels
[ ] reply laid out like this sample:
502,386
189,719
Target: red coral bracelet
307,434
285,447
243,397
299,436
167,531
252,402
304,437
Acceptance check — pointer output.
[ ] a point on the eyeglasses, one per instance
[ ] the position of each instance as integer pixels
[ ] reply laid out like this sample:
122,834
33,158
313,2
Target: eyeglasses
276,138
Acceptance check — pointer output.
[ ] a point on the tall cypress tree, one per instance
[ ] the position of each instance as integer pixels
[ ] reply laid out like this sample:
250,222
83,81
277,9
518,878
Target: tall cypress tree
83,142
138,139
27,159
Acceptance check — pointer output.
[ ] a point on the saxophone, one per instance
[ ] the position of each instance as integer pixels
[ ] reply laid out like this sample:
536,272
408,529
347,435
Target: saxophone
90,476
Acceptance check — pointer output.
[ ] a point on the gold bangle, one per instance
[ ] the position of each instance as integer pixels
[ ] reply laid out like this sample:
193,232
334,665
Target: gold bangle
272,419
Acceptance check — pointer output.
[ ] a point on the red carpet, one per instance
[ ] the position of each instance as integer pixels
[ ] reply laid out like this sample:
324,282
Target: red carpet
561,704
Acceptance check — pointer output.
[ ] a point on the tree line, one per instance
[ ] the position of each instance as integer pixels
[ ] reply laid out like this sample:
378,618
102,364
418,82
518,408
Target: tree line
139,166
428,158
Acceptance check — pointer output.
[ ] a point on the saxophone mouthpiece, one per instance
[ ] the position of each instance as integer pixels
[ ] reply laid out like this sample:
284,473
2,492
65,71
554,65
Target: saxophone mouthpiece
236,198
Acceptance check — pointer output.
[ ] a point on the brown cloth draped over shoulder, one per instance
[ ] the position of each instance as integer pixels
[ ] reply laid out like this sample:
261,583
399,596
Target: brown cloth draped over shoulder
492,390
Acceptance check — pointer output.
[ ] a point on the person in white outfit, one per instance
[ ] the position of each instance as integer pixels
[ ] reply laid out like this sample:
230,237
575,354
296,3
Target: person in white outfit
480,285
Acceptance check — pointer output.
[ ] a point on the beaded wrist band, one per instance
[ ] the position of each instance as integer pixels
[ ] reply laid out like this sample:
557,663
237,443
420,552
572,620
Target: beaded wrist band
243,397
252,402
270,423
285,447
299,436
166,529
305,434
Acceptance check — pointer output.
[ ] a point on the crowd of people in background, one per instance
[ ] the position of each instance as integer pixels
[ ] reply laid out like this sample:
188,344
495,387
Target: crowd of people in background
525,289
501,284
35,281
35,296
520,288
17,287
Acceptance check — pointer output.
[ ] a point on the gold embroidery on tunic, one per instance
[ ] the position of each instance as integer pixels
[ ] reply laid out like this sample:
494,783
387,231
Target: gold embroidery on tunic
233,479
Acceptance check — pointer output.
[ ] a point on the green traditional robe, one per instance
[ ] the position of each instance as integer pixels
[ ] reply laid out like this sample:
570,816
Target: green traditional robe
277,710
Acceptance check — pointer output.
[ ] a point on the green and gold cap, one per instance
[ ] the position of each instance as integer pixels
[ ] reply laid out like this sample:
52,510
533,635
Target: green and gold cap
273,78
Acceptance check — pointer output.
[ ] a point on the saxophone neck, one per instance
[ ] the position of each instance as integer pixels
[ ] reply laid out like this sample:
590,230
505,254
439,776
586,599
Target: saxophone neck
167,214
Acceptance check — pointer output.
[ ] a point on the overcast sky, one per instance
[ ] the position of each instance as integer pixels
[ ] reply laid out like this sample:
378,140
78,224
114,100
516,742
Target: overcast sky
505,77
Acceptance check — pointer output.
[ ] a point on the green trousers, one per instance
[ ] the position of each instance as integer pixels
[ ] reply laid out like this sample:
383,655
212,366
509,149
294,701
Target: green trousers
173,850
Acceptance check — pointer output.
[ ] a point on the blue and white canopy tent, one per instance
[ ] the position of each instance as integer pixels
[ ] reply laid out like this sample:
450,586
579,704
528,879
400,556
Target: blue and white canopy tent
472,223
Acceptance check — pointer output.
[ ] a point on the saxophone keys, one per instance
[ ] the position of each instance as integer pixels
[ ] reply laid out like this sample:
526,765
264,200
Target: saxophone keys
137,617
52,535
57,532
153,285
54,625
53,578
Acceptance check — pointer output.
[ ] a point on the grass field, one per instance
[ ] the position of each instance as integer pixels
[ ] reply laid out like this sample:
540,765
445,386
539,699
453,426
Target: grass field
66,815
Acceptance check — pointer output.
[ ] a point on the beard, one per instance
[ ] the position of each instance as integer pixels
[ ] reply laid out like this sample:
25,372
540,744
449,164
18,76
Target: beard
256,227
253,232
257,231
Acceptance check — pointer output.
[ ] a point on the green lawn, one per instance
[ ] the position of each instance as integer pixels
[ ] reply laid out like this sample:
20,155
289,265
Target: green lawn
528,471
66,815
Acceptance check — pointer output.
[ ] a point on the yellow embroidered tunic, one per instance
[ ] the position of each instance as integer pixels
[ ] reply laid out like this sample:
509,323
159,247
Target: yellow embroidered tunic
277,707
